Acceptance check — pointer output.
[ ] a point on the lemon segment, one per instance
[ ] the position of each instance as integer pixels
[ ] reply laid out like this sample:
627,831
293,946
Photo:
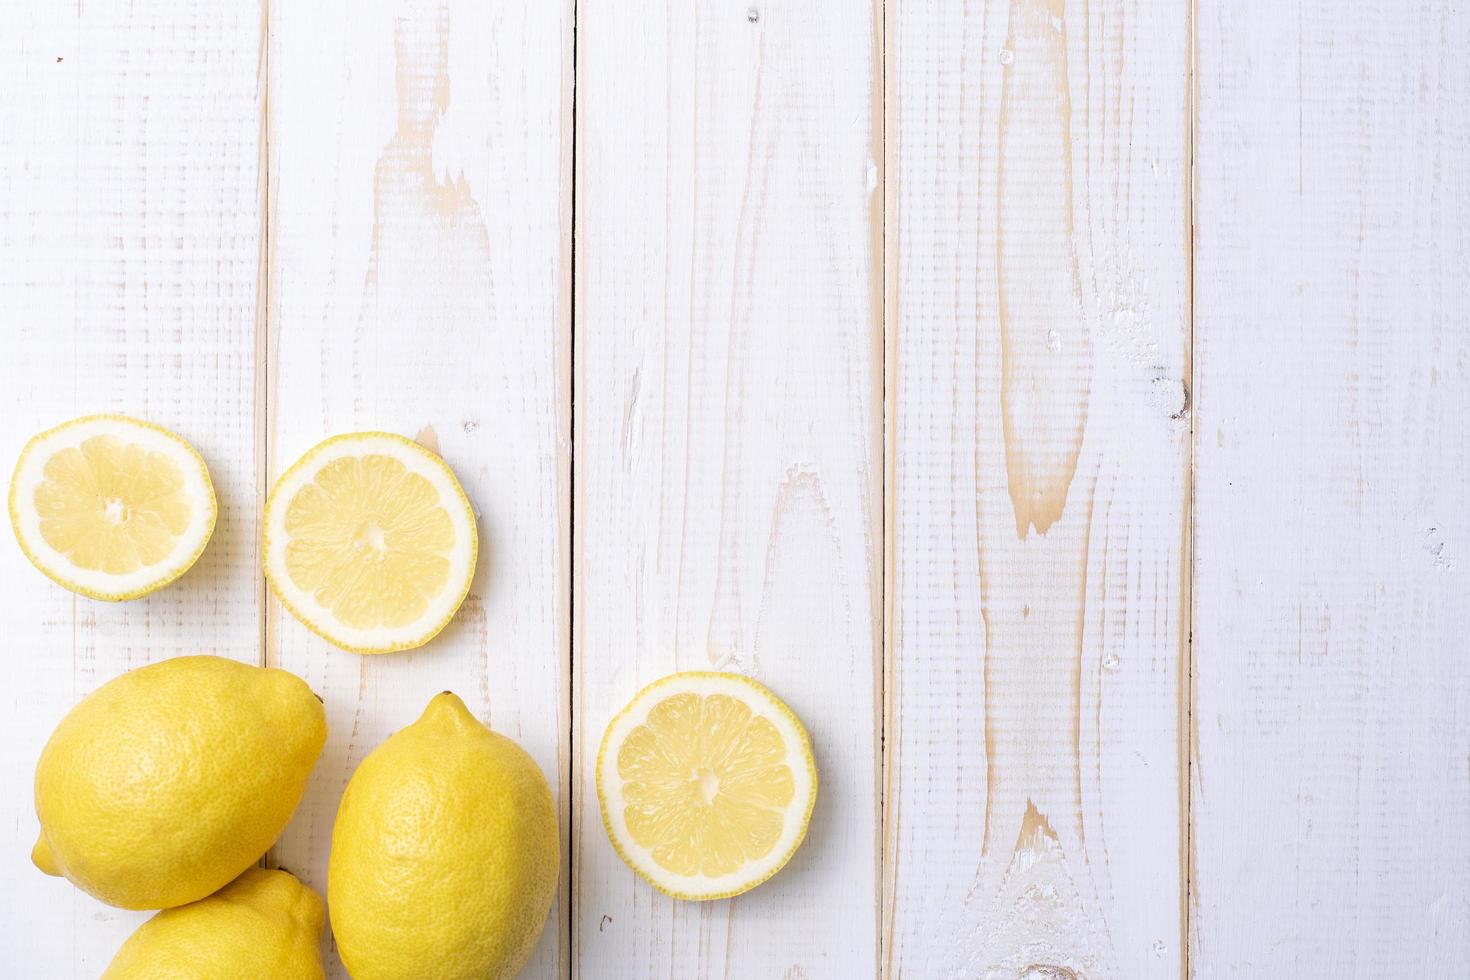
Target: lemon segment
706,783
111,507
370,542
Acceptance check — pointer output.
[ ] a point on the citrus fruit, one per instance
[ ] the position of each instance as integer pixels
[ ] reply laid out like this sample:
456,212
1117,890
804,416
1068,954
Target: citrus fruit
444,854
262,924
370,542
111,507
164,784
706,782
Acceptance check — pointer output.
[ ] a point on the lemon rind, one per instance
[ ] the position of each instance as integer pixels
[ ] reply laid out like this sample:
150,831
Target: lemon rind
279,592
175,573
807,757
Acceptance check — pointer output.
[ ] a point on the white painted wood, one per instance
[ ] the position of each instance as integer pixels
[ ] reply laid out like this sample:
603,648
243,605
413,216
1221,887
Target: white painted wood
129,245
419,284
1038,432
1332,603
728,453
730,503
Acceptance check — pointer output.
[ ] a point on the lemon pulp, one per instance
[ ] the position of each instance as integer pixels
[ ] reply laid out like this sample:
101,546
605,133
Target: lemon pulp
112,506
705,784
369,540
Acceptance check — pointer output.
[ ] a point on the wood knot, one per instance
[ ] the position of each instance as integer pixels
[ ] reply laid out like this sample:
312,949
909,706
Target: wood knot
1046,971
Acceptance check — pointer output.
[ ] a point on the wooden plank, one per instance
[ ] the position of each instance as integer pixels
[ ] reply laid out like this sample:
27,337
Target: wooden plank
419,232
129,246
728,441
1333,506
1038,441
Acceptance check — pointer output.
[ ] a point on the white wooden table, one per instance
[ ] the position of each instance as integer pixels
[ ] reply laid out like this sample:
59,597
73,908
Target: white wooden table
1061,403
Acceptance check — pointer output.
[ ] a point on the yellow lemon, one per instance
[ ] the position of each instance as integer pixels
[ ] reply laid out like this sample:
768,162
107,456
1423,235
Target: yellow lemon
164,784
111,507
706,783
444,854
370,542
262,924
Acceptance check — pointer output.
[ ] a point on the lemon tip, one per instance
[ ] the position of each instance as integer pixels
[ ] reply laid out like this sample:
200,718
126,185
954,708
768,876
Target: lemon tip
42,857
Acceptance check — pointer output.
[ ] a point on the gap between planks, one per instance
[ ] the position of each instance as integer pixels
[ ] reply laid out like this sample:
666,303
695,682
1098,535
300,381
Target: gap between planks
569,313
878,274
886,159
265,346
1188,743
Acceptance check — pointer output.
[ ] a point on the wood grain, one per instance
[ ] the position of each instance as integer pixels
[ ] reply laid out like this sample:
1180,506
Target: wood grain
1332,795
728,448
888,321
129,243
419,231
1038,442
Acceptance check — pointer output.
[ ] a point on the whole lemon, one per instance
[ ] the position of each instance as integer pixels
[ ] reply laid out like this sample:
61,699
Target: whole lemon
444,854
164,784
262,924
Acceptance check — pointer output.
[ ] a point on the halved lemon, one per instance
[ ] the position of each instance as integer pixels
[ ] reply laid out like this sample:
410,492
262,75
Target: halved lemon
706,782
370,542
110,506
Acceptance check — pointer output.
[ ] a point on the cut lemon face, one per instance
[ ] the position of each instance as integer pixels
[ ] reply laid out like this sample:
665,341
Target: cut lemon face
370,542
111,507
706,783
